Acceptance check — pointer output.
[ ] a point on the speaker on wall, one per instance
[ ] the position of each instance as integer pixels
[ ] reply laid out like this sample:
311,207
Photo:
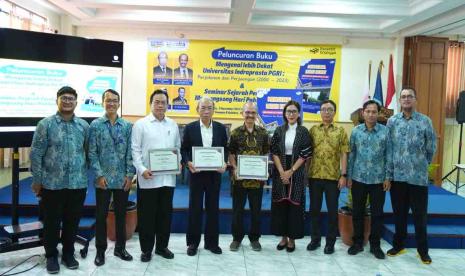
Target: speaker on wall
460,110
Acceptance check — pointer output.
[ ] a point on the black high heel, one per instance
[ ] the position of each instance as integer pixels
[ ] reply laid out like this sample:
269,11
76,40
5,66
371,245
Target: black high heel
290,249
281,246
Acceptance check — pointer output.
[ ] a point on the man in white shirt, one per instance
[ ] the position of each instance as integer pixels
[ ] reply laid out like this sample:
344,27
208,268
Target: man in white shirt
204,184
155,192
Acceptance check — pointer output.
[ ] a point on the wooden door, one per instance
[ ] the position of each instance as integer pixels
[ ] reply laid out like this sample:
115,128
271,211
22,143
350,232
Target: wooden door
425,68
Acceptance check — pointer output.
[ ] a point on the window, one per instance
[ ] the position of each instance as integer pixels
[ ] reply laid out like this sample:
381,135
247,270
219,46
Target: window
17,17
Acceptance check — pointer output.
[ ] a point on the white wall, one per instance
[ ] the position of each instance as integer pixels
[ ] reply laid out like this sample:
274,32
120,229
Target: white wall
356,52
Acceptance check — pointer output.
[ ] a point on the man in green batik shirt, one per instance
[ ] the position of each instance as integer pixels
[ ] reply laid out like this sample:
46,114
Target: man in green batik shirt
248,139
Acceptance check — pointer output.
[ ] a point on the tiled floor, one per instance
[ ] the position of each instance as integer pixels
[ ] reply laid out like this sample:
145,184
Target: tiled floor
451,188
247,262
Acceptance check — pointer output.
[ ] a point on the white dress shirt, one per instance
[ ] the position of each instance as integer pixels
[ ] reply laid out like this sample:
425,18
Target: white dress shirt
207,133
290,137
184,73
149,133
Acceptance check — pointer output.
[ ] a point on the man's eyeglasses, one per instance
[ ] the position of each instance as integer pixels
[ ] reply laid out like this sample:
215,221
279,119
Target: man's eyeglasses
250,113
203,108
407,97
327,110
67,99
112,101
159,102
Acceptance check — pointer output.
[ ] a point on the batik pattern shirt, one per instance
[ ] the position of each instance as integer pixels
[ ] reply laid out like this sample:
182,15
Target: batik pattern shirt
413,147
58,153
329,143
110,150
370,158
243,142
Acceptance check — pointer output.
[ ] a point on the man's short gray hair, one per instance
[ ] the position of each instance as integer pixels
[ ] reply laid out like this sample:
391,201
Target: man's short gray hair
253,104
205,99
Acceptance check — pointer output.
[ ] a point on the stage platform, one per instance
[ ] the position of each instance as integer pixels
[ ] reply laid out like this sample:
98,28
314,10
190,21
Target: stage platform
446,212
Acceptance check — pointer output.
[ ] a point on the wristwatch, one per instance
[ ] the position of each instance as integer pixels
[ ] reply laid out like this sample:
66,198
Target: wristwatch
344,174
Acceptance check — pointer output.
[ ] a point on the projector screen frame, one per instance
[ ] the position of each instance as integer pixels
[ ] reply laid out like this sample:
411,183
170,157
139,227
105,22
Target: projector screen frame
55,48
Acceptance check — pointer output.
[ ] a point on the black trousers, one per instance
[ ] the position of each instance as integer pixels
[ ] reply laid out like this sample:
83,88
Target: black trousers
360,191
61,210
203,184
120,200
154,212
287,219
240,196
329,188
405,196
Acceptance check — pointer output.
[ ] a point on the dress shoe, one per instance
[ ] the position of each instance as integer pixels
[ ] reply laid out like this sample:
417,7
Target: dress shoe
165,253
214,249
69,261
191,250
377,252
281,246
329,249
396,252
99,259
146,257
355,249
122,254
234,246
256,246
425,258
52,265
313,245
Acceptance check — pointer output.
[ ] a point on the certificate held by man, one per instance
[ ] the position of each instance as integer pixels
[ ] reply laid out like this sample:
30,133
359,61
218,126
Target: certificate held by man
164,161
252,167
208,158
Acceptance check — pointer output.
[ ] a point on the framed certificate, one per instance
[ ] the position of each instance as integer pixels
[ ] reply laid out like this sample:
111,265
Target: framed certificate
208,159
252,167
164,161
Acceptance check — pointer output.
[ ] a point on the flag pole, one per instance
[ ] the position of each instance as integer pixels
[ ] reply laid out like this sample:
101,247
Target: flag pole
369,77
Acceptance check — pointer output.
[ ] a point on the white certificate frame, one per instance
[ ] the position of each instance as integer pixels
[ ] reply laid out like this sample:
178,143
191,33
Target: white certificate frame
198,154
164,170
243,161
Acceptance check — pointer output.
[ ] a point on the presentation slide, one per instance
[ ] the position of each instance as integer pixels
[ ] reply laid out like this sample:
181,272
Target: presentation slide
28,88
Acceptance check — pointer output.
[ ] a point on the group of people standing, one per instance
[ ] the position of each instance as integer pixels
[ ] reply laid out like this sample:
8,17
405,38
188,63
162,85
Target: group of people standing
376,159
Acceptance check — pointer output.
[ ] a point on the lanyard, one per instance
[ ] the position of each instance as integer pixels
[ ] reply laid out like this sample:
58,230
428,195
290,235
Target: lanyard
116,137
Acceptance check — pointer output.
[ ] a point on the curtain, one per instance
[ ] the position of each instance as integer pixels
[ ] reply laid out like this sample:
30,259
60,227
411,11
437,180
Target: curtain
455,76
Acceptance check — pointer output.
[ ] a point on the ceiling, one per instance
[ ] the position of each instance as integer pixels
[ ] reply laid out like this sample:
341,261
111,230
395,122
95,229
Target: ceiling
384,18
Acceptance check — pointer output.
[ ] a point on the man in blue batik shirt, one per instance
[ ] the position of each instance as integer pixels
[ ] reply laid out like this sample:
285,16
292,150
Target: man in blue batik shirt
369,175
111,160
59,176
414,144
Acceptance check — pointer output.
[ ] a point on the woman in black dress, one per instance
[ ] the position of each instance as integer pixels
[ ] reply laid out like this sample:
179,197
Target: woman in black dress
290,148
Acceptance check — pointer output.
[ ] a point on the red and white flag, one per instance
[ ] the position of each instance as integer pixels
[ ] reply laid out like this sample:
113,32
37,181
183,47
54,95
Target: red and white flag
391,100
